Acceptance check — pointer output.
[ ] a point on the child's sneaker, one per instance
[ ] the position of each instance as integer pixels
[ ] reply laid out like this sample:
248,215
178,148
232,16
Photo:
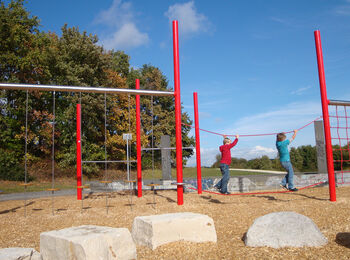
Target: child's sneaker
284,186
294,189
214,188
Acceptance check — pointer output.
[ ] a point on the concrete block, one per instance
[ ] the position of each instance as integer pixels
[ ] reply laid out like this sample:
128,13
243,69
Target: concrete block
87,243
156,230
284,229
16,253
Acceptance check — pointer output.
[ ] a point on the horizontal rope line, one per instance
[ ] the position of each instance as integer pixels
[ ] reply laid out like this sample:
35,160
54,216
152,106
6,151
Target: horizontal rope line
249,135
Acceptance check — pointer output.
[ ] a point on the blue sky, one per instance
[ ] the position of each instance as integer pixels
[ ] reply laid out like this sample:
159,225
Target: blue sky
253,63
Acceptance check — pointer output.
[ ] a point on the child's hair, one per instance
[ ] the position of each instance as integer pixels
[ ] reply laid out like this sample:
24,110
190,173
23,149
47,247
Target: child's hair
226,140
281,137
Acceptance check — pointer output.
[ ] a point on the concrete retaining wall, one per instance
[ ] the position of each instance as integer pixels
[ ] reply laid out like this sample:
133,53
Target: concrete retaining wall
245,183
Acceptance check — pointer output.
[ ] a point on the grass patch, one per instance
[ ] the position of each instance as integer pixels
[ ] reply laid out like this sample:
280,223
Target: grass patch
191,172
15,187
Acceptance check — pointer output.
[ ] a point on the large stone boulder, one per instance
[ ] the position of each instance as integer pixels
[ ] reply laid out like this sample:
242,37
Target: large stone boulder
156,230
87,243
16,253
282,229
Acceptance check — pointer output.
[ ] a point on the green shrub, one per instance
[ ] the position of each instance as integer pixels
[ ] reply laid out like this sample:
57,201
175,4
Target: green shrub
11,168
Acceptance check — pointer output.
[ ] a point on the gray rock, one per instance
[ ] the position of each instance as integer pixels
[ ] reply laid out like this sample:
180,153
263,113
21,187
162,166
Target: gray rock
19,253
282,229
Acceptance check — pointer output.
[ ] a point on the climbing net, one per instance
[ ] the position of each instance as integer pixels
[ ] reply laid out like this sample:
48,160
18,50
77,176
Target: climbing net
339,119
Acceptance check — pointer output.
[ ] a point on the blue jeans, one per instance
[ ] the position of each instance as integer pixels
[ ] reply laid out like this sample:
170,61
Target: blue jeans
222,184
289,176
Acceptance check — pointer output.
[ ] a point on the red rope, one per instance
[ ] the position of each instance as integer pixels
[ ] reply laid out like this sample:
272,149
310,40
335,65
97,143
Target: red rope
254,134
262,192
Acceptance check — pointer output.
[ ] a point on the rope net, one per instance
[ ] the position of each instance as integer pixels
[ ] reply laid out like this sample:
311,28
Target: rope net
340,124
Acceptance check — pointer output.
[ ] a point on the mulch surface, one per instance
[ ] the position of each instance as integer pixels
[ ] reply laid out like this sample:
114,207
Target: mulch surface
232,215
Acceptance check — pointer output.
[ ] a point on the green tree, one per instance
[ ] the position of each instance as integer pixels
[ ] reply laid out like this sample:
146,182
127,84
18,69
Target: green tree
21,61
239,163
120,63
276,165
21,44
308,153
266,163
75,59
262,163
296,159
216,164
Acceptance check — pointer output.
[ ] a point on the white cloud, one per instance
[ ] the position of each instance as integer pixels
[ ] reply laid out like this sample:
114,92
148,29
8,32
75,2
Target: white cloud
123,32
118,13
292,116
300,91
278,20
281,21
204,115
208,156
190,21
128,36
342,10
254,152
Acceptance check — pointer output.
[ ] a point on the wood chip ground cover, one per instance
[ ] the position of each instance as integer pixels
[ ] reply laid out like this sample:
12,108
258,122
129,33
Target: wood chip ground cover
232,216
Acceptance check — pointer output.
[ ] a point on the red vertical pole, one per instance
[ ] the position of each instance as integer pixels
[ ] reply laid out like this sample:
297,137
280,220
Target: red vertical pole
138,141
198,146
79,184
177,113
326,125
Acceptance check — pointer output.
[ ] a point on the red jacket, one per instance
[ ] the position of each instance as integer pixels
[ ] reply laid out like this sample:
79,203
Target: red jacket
226,152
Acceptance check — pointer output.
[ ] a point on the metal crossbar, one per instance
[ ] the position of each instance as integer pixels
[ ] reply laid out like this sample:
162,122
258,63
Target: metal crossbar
166,148
30,87
108,161
339,103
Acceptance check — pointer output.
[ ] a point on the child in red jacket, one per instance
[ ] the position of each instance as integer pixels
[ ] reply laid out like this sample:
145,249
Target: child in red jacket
225,162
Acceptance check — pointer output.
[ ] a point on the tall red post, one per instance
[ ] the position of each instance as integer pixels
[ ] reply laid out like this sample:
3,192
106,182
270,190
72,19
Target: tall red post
138,141
79,184
177,114
326,125
198,146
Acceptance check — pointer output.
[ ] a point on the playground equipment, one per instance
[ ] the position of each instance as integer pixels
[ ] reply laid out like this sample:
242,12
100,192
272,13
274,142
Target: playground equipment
175,93
26,184
326,121
340,126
